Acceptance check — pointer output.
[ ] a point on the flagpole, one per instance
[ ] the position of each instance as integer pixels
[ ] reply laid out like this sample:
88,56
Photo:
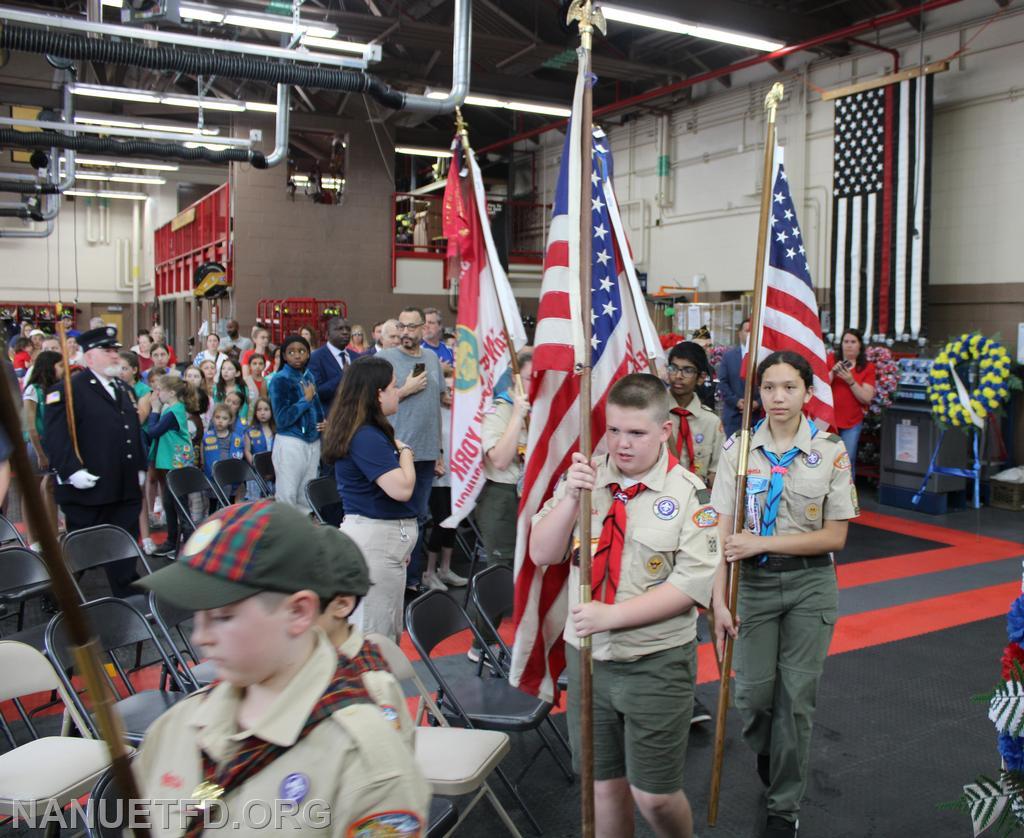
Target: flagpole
463,130
771,104
588,17
80,635
69,402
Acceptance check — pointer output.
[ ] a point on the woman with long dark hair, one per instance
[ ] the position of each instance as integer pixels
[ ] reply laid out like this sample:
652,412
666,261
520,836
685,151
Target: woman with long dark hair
853,388
47,371
376,476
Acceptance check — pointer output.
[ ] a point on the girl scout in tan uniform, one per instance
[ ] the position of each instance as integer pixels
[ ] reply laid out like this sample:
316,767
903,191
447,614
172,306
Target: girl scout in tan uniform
799,499
653,563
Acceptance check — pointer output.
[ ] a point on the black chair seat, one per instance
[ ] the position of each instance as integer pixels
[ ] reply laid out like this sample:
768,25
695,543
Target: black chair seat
493,704
443,816
139,711
28,592
34,636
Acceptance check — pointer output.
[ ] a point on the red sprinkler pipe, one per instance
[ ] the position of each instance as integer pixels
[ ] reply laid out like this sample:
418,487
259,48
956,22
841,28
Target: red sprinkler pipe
895,53
846,33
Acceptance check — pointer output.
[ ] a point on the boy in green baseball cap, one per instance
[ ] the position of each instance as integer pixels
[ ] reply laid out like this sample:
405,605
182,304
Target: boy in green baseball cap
290,730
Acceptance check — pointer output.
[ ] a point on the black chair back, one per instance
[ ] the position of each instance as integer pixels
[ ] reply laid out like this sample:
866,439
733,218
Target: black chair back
434,617
494,593
9,533
323,498
22,574
264,465
96,546
182,482
232,472
109,809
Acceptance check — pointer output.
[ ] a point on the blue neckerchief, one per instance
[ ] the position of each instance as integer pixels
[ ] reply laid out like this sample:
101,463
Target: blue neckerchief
780,465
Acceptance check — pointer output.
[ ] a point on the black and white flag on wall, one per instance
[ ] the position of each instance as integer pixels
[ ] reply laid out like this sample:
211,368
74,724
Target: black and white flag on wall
881,203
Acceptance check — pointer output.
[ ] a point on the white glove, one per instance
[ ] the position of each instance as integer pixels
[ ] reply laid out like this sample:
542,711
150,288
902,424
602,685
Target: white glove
142,479
83,479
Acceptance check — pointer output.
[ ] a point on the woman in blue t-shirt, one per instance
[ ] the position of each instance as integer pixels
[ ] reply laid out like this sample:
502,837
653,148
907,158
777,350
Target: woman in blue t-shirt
376,477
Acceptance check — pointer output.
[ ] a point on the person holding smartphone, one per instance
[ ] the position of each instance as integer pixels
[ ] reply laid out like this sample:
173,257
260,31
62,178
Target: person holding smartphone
853,388
420,381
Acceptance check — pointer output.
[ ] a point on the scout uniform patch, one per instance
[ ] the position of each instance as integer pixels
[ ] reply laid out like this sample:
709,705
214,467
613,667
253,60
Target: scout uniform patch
391,714
842,461
706,517
53,398
666,508
386,825
294,788
813,459
812,512
655,564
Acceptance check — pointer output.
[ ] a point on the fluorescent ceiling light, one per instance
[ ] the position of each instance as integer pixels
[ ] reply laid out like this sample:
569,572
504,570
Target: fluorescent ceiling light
694,30
126,196
148,126
422,152
211,146
332,43
122,93
262,107
125,164
278,23
116,178
203,13
508,104
205,103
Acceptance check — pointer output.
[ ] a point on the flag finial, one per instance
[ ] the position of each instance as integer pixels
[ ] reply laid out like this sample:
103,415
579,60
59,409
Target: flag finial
771,101
590,17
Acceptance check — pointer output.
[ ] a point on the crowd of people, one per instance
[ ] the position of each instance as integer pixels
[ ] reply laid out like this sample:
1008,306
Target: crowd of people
371,408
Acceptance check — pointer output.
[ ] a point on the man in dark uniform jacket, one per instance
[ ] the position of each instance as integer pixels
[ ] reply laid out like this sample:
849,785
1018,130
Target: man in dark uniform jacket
103,486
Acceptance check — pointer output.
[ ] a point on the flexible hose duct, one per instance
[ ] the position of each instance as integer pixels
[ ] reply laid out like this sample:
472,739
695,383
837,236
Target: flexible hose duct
28,187
127,148
191,62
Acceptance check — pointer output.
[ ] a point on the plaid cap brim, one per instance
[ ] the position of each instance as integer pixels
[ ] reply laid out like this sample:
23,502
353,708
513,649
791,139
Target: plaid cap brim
193,590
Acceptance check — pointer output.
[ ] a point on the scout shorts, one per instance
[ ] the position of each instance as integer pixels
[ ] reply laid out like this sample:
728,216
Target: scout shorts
642,713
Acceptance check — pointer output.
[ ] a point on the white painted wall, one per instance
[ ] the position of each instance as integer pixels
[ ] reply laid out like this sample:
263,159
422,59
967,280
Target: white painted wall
710,224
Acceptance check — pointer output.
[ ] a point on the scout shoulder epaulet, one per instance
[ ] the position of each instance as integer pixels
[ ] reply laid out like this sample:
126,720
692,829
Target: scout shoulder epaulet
692,479
833,438
708,409
704,496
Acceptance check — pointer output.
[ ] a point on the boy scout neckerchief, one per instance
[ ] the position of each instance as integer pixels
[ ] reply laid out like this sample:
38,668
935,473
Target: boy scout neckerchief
255,754
780,467
685,434
607,566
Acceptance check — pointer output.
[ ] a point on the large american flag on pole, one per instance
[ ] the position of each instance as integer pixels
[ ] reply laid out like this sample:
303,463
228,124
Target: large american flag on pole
881,200
623,337
789,305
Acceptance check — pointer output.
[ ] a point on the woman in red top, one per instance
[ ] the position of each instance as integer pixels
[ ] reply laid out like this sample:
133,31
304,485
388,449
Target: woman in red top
261,346
853,388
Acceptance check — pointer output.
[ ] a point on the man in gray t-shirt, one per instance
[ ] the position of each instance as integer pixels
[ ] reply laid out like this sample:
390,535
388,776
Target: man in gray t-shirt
418,421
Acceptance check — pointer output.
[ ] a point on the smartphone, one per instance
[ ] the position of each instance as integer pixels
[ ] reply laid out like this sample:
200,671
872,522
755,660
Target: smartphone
848,364
419,369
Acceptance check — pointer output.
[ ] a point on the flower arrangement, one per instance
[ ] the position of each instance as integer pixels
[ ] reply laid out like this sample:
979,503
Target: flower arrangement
991,391
887,377
999,802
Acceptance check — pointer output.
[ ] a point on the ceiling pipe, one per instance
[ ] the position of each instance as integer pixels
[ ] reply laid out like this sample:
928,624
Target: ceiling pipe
895,53
843,34
461,51
281,126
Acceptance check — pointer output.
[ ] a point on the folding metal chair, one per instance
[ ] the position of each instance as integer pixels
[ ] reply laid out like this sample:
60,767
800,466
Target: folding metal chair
488,703
23,577
323,498
264,465
229,473
170,620
93,547
455,761
182,482
9,535
118,625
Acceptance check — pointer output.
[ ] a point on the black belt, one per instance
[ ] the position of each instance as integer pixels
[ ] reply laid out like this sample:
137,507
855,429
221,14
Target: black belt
781,564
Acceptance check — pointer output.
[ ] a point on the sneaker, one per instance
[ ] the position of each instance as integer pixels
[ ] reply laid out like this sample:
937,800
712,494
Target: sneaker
475,653
452,579
764,764
777,827
433,582
148,547
700,713
165,550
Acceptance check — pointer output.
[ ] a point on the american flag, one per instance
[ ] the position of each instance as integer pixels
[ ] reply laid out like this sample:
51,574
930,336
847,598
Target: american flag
621,330
790,307
881,198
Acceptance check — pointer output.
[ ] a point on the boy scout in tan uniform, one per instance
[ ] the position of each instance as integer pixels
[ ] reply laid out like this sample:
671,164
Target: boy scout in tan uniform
787,603
289,741
644,618
348,581
702,432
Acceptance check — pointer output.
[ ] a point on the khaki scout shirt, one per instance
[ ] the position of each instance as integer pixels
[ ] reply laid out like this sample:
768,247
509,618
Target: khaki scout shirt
351,772
671,536
493,430
708,437
385,691
817,487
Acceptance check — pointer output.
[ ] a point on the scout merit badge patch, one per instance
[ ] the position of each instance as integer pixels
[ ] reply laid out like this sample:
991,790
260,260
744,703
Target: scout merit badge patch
655,563
812,512
294,788
666,508
842,461
706,517
813,459
391,714
386,825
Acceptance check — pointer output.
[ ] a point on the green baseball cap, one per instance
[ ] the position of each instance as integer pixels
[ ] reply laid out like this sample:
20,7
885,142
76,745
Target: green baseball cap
247,549
346,567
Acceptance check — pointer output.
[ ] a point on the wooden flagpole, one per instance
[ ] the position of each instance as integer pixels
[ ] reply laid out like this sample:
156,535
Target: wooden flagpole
588,17
771,104
62,587
69,399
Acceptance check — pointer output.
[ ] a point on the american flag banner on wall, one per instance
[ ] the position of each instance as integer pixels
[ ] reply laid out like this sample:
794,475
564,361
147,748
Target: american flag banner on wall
622,328
881,201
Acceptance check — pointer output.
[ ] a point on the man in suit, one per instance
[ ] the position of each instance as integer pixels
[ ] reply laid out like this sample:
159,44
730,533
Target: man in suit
731,384
328,363
101,483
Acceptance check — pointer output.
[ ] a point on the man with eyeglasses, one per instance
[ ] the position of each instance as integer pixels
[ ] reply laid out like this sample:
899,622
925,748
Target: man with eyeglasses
418,421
